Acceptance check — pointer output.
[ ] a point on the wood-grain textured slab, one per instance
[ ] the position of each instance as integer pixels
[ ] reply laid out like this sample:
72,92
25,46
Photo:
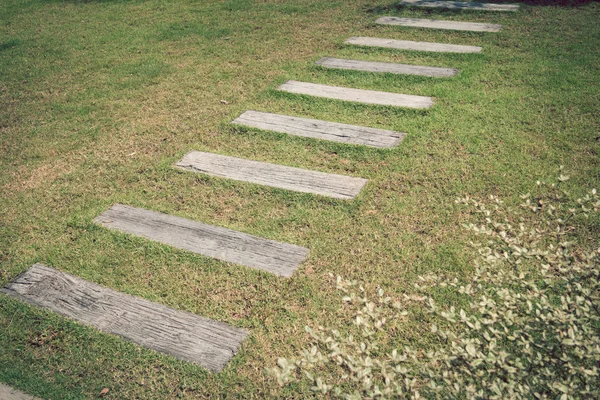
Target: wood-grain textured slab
410,45
212,241
461,5
8,393
314,128
357,95
439,24
279,176
184,335
392,68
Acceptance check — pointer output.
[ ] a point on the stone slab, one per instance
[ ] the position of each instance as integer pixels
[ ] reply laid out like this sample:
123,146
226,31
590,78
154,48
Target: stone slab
183,335
279,176
324,130
208,240
410,45
460,5
8,393
392,68
357,95
439,24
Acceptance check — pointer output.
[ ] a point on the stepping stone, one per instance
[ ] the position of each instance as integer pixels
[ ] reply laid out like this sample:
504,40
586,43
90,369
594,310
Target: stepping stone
279,176
8,393
314,128
462,5
357,95
371,66
208,240
439,24
410,45
181,334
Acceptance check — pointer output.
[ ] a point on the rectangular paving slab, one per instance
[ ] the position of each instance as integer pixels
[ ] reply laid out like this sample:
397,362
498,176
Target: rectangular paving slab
8,393
208,240
393,68
357,95
314,128
461,5
410,45
439,24
183,335
279,176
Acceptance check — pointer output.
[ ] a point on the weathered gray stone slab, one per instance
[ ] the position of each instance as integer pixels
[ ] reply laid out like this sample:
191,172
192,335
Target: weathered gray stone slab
8,393
461,5
410,45
393,68
439,24
279,176
184,335
317,129
212,241
357,95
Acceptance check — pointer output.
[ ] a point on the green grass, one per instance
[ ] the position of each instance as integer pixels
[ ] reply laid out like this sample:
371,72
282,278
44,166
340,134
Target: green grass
99,98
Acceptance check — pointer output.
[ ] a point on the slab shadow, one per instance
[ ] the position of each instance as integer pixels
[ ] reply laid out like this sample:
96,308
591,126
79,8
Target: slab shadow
396,6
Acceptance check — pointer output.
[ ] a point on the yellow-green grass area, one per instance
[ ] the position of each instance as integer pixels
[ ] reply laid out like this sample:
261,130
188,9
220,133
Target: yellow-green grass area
98,100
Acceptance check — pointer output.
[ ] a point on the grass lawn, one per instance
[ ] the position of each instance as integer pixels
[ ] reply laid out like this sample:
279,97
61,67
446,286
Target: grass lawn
98,100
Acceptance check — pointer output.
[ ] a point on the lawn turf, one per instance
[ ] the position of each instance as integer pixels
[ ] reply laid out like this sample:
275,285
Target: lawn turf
98,99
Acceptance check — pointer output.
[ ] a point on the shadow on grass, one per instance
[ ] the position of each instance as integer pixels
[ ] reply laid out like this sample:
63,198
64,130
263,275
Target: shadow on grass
9,44
176,31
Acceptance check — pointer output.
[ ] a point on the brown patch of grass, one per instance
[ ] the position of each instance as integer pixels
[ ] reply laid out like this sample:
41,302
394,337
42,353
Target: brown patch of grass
27,179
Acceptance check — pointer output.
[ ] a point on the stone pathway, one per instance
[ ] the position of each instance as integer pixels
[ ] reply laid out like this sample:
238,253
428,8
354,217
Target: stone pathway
461,5
8,393
357,95
392,68
208,240
200,340
439,24
323,130
279,176
411,45
184,335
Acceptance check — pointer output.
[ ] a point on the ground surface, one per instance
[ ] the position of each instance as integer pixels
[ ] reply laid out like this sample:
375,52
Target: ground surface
98,99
